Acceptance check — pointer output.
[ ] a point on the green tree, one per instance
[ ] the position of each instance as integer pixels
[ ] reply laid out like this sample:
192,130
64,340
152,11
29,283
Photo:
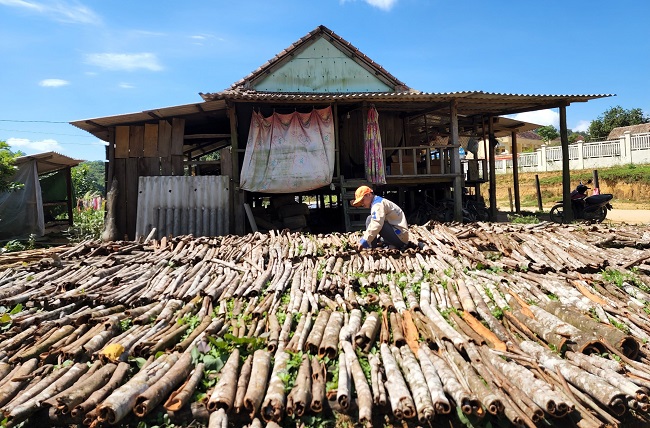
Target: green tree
548,133
573,136
88,179
613,118
7,168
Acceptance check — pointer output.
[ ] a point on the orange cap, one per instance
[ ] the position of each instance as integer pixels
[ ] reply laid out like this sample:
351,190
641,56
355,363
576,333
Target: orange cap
360,193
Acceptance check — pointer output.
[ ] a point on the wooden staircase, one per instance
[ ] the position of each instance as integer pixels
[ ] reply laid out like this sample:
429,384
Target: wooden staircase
355,218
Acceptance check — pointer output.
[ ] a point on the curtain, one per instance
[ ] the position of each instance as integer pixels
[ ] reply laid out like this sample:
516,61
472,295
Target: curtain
21,211
288,153
374,154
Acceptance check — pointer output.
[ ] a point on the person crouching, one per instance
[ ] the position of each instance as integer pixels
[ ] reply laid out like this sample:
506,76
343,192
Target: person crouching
386,221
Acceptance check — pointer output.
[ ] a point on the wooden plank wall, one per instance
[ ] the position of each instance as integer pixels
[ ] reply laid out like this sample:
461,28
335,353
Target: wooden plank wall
143,150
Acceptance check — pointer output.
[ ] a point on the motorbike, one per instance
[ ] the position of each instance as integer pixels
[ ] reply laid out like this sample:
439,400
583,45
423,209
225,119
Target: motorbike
591,208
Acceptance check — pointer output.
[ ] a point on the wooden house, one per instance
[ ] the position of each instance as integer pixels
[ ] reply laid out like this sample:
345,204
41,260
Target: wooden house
157,153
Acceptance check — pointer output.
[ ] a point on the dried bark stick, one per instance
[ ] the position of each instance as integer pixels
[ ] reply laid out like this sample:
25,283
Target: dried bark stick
179,398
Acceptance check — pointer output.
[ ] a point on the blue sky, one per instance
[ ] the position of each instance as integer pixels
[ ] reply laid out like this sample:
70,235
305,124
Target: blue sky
65,60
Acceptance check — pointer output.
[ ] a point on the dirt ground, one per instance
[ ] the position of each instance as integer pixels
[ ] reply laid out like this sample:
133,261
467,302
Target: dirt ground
627,213
629,216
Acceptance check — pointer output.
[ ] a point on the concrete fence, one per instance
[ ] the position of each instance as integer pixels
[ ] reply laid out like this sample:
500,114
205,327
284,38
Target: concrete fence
628,149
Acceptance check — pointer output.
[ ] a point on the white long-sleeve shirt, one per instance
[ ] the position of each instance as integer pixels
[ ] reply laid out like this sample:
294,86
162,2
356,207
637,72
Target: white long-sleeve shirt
382,210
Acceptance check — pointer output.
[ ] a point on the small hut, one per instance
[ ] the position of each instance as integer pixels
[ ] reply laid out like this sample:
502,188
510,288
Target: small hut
22,212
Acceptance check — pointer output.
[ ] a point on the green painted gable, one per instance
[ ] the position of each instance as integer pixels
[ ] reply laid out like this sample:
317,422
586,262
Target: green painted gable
321,68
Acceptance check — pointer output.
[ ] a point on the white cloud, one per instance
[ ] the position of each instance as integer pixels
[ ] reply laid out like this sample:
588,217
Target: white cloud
53,83
582,126
149,33
30,147
126,85
379,4
127,62
24,4
200,39
539,117
382,4
59,10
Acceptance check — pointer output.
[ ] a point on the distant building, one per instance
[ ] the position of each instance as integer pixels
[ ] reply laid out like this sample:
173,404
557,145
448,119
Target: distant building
527,141
634,129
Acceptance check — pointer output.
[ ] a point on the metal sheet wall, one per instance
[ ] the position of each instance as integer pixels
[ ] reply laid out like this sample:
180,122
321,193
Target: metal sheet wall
179,205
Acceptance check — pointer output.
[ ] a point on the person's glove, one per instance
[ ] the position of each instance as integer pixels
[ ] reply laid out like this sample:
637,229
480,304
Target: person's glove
363,244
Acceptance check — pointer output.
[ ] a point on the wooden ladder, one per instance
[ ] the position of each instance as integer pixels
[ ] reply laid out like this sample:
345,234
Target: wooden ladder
355,218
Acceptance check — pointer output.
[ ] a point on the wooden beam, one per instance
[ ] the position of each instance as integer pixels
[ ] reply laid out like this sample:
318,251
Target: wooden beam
110,157
566,174
493,177
455,161
206,136
238,199
68,189
337,151
515,170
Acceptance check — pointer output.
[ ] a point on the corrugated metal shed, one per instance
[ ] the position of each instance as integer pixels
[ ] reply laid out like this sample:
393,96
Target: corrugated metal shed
182,205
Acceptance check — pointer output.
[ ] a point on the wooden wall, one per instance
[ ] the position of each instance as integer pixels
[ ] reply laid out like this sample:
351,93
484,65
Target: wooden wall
352,134
143,150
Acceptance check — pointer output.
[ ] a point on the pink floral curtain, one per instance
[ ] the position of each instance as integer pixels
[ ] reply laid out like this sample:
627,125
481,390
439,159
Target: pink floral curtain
288,153
374,155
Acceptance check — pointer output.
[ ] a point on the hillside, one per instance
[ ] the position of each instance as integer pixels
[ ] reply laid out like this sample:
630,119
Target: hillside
629,184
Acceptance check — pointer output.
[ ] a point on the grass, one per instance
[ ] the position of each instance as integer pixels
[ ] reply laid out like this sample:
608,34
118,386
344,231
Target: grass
628,173
523,218
635,177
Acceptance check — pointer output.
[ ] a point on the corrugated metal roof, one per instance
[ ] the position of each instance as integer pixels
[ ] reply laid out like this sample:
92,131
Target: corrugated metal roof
49,161
391,96
469,103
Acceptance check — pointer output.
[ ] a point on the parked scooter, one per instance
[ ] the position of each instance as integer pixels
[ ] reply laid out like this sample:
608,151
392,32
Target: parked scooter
591,208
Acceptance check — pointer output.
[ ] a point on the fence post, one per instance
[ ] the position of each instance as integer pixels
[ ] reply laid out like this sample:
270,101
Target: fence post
581,156
626,149
542,160
540,207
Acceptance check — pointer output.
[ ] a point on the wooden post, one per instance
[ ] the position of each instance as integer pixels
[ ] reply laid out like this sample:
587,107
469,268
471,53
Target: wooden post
515,172
68,188
596,185
337,140
492,168
238,198
540,207
110,157
566,177
455,161
510,199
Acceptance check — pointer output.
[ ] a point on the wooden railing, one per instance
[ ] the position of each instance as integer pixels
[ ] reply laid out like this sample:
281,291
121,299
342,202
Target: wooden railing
418,160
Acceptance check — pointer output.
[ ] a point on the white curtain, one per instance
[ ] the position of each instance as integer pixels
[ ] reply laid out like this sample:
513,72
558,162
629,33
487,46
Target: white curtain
289,153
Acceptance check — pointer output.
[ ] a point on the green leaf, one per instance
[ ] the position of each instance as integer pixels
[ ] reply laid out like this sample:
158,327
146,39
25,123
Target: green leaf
17,309
212,363
5,318
196,355
140,362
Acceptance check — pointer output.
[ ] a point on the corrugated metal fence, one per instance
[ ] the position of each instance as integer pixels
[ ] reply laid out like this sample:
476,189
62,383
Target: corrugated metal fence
179,205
